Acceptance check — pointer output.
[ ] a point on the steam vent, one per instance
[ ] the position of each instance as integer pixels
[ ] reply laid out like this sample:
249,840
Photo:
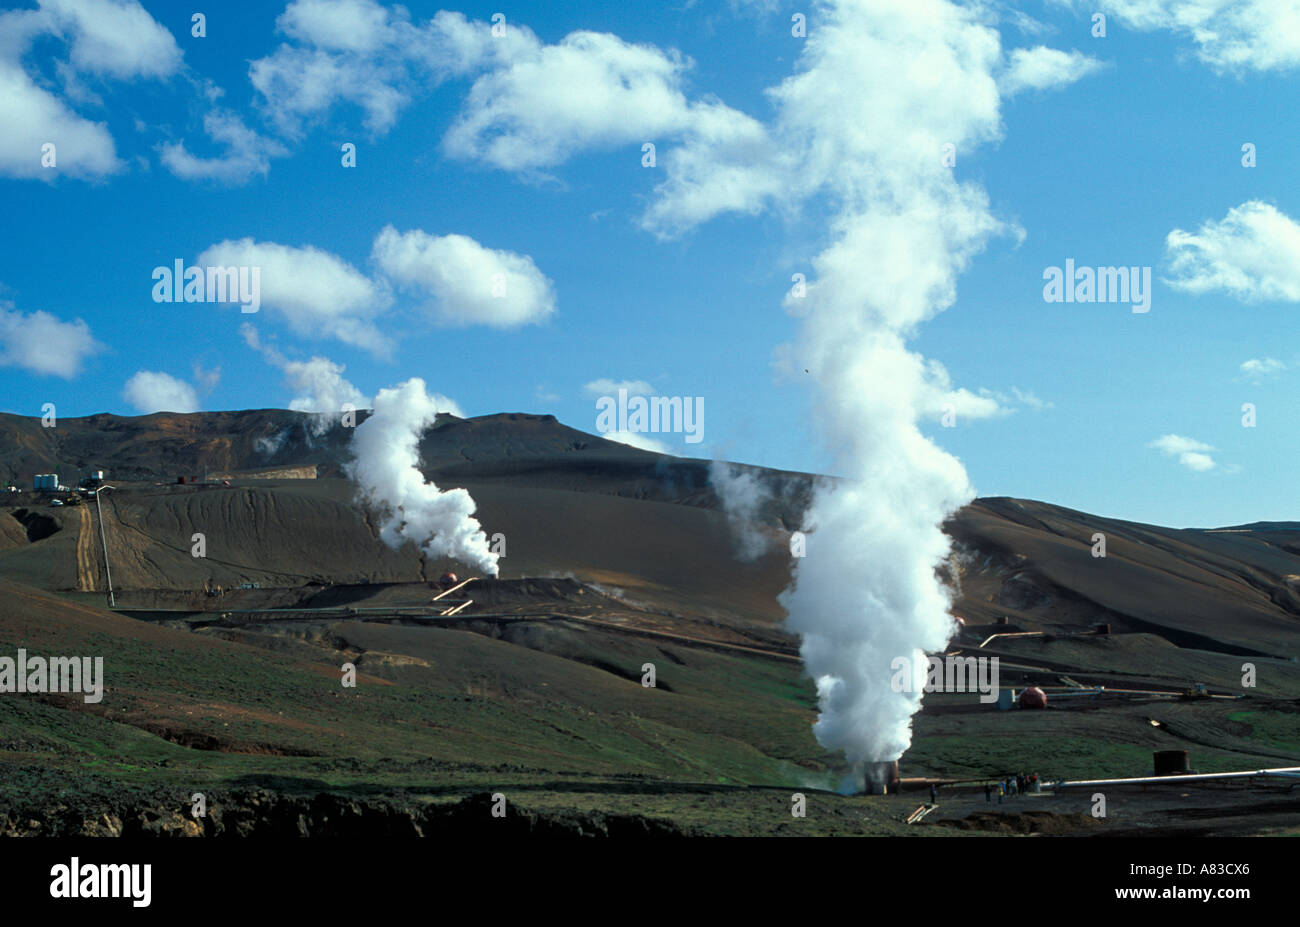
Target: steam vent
881,778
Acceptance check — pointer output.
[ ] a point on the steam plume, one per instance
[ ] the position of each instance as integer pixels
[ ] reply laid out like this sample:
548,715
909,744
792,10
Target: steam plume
873,124
742,496
387,472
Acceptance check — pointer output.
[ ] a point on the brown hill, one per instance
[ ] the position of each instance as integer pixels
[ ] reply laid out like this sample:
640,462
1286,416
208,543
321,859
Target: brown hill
571,503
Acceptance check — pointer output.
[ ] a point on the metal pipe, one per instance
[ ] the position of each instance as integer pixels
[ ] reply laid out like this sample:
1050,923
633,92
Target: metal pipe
463,582
1283,771
1011,634
103,542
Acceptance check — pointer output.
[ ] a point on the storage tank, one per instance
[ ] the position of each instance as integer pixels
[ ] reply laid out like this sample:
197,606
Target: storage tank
1033,697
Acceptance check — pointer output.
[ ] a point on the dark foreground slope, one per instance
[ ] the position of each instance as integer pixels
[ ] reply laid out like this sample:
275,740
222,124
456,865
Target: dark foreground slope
552,714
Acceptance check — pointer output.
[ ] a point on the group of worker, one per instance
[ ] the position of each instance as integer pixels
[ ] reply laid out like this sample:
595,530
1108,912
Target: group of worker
1011,786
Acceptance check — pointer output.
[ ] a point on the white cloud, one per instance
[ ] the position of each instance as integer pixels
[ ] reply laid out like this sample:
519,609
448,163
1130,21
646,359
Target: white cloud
728,162
1043,68
1191,453
337,25
318,386
590,90
114,38
1257,368
758,7
1028,398
316,292
43,344
1026,23
32,116
359,52
150,391
248,154
297,83
937,397
965,405
546,103
638,440
206,380
607,387
253,339
468,283
1253,254
1230,35
320,294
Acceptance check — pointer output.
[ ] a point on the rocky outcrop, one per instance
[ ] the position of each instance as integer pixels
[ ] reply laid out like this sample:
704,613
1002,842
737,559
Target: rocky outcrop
263,813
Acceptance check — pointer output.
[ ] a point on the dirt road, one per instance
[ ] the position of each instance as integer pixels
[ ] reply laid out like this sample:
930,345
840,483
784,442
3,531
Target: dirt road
87,565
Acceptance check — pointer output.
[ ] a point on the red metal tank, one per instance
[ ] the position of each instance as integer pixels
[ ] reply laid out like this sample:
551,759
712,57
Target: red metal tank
448,580
1033,697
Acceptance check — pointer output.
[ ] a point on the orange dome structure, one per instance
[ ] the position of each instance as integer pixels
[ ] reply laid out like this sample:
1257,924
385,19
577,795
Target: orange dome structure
448,580
1033,697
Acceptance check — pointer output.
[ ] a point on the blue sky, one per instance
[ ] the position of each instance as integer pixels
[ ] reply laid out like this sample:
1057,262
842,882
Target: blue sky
1102,147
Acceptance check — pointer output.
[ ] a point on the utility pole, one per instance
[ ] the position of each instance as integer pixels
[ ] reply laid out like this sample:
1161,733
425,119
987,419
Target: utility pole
112,602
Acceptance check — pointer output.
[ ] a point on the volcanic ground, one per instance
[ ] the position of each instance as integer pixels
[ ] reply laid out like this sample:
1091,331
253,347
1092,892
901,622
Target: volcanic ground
533,688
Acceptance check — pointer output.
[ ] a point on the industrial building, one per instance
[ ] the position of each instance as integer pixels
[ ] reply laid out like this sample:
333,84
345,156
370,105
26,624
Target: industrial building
46,481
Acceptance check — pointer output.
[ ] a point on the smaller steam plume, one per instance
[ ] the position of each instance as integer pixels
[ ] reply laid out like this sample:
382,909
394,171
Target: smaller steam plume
742,495
386,469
